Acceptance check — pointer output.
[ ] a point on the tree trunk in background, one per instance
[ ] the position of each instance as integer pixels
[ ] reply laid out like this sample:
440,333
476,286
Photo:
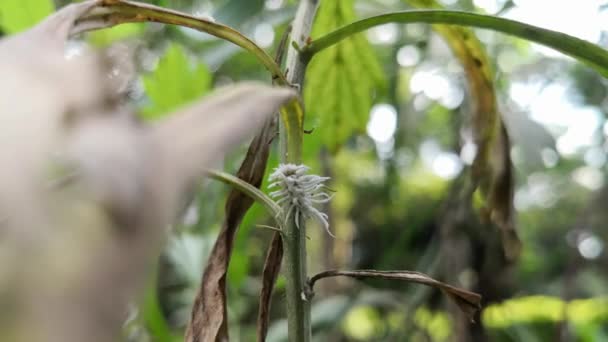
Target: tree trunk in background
472,257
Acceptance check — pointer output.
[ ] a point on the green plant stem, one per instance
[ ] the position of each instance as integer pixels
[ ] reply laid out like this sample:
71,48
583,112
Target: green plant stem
119,12
586,52
248,190
291,139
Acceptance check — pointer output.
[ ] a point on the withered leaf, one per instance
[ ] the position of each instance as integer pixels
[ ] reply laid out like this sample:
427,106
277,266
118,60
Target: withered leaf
492,167
208,321
469,302
272,267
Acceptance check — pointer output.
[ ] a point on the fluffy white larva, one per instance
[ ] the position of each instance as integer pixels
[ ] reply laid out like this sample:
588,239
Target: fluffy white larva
298,192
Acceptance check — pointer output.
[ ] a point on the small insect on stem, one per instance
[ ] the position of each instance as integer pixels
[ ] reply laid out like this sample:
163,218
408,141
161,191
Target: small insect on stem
298,192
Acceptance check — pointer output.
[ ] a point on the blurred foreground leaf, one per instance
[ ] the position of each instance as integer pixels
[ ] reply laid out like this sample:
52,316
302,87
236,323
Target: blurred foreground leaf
110,35
95,230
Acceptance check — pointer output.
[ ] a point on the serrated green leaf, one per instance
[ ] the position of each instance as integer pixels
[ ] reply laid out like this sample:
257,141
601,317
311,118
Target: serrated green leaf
18,15
342,80
175,82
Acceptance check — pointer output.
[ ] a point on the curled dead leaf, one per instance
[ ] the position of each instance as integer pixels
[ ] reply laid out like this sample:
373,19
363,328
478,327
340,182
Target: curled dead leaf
209,317
469,302
272,267
492,167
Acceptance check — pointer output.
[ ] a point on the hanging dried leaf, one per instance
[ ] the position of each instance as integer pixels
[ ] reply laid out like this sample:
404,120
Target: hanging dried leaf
492,168
468,302
208,321
272,267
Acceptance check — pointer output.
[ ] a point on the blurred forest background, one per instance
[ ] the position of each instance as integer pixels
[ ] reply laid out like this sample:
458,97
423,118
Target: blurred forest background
396,177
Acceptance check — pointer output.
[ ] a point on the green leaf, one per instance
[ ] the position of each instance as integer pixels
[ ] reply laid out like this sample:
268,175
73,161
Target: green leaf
175,82
18,15
152,314
341,82
110,35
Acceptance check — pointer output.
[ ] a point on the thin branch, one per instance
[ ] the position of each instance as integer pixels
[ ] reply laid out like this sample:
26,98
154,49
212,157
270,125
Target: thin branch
591,54
275,229
249,190
115,12
469,302
280,53
302,26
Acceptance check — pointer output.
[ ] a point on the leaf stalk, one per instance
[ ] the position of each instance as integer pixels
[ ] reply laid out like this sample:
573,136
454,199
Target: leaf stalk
584,51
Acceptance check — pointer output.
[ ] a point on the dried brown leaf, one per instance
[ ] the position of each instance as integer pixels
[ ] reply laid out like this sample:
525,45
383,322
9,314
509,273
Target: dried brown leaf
274,255
469,302
502,212
208,321
272,267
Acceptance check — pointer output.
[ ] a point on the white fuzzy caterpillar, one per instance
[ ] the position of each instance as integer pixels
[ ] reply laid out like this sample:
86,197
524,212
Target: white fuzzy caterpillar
298,192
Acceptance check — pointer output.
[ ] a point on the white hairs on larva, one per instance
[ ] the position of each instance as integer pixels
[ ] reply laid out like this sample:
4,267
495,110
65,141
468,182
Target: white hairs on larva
298,193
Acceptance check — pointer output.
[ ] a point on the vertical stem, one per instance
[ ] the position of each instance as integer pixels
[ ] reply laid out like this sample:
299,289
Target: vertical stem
291,135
